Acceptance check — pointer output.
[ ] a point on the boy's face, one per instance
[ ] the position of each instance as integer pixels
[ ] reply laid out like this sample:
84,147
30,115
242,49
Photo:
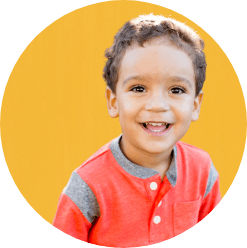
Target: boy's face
155,96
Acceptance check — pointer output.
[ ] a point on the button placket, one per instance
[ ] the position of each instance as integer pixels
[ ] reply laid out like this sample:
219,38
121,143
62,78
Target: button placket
157,218
157,222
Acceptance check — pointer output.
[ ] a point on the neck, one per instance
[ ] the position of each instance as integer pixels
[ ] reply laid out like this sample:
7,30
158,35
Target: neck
156,161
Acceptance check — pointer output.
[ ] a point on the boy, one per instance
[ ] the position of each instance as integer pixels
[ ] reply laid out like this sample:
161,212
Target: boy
145,186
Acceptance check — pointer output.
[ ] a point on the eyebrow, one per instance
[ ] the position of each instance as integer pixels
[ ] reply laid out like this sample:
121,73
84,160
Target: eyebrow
179,78
132,77
172,78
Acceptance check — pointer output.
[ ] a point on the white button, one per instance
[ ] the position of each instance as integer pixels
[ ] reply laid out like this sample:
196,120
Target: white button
159,203
157,219
153,186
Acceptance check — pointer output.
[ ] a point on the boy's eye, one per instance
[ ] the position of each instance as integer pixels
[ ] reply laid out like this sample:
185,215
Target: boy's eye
138,89
177,90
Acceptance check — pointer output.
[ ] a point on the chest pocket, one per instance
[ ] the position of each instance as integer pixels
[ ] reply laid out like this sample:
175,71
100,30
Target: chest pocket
185,215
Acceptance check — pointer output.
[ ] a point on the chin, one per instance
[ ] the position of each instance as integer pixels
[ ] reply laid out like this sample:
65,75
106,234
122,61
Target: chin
155,149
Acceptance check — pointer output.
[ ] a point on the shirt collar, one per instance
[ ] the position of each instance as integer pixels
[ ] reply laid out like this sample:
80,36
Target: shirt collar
140,171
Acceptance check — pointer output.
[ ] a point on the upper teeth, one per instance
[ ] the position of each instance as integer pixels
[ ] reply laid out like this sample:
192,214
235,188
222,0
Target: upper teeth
155,124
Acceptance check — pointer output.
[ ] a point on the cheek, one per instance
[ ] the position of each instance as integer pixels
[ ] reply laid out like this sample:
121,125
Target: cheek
125,110
184,111
129,106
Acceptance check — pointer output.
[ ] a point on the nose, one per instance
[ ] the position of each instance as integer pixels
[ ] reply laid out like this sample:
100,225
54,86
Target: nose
158,102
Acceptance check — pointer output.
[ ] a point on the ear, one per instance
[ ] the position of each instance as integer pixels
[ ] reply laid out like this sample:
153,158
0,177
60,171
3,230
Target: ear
197,106
111,102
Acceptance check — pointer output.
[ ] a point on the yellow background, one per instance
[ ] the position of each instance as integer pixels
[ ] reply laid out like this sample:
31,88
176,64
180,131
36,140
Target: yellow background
54,113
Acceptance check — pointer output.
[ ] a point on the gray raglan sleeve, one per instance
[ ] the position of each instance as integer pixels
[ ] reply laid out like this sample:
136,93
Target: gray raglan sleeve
83,197
213,175
212,194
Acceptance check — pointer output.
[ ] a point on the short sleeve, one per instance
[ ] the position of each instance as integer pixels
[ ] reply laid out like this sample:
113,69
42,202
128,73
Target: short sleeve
77,208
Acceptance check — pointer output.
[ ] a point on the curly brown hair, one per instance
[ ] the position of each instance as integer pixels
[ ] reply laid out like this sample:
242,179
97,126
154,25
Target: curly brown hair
146,27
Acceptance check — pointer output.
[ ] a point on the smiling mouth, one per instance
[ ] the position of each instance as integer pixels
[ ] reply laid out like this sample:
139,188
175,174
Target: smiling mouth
156,127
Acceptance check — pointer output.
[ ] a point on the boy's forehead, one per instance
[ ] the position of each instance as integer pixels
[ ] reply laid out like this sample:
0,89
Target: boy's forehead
153,51
157,57
159,41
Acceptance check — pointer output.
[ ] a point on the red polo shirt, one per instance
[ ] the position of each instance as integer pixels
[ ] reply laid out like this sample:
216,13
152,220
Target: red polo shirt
112,202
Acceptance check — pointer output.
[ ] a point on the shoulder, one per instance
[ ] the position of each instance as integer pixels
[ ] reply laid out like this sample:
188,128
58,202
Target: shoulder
84,182
96,162
101,165
80,188
198,162
192,161
192,153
